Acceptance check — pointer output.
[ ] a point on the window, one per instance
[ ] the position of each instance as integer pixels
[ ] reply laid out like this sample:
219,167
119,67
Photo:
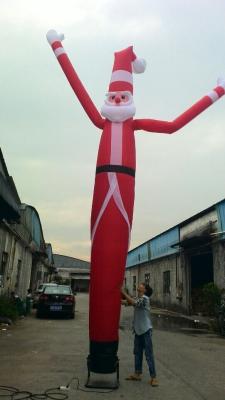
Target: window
166,282
45,276
18,274
39,275
3,266
147,279
134,284
3,263
57,289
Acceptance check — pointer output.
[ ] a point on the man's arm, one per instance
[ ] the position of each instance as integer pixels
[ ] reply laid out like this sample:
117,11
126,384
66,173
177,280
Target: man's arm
128,298
54,40
152,125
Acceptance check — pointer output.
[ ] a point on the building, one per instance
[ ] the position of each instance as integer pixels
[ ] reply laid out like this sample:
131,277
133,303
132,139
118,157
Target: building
73,270
179,261
24,258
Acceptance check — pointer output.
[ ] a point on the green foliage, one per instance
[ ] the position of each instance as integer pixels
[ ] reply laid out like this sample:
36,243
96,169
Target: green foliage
206,299
211,297
61,281
8,308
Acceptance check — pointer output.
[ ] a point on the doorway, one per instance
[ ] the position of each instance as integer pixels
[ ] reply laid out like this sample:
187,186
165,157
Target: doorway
201,274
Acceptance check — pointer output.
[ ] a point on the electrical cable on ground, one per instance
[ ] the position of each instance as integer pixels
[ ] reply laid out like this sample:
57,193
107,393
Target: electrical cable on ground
58,393
80,388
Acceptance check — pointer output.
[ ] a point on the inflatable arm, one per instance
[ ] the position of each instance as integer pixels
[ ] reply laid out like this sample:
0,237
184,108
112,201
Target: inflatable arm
54,40
152,125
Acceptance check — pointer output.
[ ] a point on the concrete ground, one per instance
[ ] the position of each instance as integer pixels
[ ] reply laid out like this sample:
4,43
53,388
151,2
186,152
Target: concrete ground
36,354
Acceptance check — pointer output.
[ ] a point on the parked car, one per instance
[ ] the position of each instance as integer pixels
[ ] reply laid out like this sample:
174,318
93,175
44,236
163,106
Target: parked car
40,290
56,300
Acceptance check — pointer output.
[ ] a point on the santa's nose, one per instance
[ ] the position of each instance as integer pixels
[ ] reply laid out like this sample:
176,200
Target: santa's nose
117,99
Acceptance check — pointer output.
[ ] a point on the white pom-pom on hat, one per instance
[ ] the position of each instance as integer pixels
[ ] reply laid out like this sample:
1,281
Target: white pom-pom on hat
139,65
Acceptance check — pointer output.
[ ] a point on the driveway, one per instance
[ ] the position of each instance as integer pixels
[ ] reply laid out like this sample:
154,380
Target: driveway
37,354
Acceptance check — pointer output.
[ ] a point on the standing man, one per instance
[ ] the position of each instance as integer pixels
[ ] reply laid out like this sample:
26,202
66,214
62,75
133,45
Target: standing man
142,327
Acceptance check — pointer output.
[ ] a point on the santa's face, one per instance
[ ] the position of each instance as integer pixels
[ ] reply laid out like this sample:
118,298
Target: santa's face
118,106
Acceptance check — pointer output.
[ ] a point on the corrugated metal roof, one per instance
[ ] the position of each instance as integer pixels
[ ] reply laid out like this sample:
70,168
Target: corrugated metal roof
184,222
10,207
221,214
9,197
139,255
62,261
160,245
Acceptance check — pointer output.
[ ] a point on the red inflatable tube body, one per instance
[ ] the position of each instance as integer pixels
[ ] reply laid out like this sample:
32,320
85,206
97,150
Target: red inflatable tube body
111,221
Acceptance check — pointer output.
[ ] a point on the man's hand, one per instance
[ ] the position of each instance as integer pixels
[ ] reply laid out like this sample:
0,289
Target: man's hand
128,298
53,36
221,82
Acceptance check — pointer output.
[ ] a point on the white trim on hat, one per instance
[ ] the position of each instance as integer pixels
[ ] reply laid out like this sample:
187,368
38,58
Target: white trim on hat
122,76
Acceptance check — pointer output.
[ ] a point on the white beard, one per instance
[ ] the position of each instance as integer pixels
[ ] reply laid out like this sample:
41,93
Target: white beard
118,113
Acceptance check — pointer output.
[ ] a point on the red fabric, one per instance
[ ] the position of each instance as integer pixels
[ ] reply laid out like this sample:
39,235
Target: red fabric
120,86
220,91
123,59
56,45
80,91
128,145
152,125
108,258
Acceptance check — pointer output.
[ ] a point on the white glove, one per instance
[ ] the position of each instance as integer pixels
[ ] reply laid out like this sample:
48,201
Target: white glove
221,82
53,36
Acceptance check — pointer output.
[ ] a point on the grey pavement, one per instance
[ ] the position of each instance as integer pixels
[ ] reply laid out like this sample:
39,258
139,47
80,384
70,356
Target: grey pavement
36,354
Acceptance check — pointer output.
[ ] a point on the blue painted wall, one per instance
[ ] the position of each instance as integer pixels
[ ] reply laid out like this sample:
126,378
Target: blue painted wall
36,229
221,215
161,245
154,248
138,255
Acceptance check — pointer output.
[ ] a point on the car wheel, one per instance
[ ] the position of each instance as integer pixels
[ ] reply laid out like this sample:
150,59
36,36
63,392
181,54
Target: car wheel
72,316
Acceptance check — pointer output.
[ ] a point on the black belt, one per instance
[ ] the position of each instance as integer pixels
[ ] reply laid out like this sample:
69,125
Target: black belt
115,168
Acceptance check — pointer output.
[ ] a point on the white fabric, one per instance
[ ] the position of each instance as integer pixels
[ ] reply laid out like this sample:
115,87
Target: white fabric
53,36
59,51
122,75
138,65
104,205
118,113
119,202
116,143
221,82
213,96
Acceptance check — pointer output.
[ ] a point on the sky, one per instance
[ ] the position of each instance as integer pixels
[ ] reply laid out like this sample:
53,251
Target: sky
48,142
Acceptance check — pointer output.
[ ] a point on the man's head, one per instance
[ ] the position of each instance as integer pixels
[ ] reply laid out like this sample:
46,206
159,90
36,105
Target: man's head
143,288
118,106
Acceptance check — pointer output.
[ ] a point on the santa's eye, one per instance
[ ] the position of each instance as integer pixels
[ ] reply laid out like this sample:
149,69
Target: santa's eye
113,97
123,97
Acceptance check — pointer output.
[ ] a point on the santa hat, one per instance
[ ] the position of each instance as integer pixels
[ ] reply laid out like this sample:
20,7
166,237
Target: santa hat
125,63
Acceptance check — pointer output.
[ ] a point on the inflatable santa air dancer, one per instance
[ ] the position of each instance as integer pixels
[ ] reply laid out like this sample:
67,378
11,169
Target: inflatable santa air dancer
113,198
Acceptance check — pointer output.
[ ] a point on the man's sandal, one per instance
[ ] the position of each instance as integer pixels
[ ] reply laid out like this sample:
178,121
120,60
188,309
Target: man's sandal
133,377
